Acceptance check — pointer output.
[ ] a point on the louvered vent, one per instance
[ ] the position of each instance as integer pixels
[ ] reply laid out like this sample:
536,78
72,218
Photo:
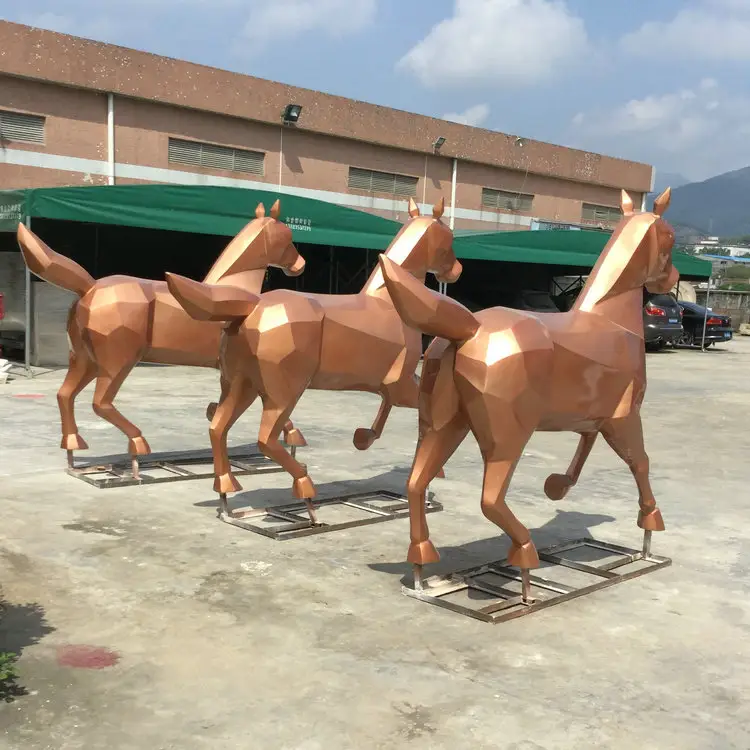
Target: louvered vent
504,200
592,212
15,126
198,154
382,182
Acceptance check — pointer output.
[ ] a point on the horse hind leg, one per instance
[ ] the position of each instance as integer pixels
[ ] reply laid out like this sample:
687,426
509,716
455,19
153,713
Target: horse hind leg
81,371
557,485
364,437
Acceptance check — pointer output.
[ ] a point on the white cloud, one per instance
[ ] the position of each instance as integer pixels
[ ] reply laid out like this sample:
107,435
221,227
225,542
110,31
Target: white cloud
704,30
273,20
503,43
475,115
698,131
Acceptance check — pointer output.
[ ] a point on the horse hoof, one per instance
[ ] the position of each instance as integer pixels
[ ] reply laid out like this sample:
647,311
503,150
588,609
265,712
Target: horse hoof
523,555
211,410
422,553
294,438
73,443
364,438
138,446
440,474
224,483
557,485
303,488
651,521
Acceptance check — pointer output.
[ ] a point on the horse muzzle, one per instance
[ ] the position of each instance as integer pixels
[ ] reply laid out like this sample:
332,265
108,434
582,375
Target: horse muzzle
452,275
665,282
296,268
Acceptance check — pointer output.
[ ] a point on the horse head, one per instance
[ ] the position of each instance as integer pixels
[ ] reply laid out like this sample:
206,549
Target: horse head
661,275
638,254
263,242
425,244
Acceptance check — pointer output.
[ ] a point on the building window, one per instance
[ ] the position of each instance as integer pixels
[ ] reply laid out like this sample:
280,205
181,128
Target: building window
506,201
382,182
592,212
15,126
198,154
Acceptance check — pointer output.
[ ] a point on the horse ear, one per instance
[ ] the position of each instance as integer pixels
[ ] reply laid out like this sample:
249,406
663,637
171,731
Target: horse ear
260,211
413,208
439,208
626,203
276,209
661,204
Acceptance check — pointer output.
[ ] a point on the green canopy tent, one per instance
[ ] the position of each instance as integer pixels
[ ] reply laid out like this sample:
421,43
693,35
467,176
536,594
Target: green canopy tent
194,209
224,211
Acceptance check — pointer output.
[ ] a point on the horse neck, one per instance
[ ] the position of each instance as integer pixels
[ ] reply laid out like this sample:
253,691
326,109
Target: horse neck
405,251
251,281
598,296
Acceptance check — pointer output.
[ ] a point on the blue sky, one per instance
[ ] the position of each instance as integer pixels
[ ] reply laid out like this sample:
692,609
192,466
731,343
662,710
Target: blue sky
665,82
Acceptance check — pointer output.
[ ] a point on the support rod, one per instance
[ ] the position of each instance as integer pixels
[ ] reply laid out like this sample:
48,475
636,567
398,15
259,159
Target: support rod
110,139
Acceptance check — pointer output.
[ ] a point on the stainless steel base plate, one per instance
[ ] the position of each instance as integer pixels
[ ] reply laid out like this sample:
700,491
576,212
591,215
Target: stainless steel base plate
175,466
494,592
347,511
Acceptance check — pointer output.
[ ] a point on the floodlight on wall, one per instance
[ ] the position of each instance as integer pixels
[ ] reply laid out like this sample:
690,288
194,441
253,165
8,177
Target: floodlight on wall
521,142
291,114
438,144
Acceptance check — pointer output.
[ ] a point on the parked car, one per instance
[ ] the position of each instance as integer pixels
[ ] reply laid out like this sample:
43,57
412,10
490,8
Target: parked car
662,320
718,327
534,301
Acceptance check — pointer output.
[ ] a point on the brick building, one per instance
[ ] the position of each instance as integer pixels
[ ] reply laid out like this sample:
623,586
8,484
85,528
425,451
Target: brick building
77,112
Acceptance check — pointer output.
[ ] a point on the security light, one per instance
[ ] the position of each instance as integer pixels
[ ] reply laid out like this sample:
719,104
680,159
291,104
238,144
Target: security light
291,114
437,145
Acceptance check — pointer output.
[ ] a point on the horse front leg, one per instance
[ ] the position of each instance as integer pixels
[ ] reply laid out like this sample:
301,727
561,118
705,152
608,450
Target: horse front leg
557,485
625,437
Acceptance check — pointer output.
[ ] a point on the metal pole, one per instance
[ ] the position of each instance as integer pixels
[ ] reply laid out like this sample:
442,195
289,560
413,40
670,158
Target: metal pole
453,194
705,314
281,154
27,306
111,139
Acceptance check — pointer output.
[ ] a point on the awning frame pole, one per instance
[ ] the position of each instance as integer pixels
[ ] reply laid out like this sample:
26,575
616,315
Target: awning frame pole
27,310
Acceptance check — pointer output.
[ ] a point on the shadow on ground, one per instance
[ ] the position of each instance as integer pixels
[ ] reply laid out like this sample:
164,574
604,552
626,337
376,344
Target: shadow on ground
393,480
563,527
21,625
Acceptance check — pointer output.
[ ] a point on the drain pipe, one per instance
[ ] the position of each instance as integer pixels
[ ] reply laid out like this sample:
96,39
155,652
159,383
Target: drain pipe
452,222
110,139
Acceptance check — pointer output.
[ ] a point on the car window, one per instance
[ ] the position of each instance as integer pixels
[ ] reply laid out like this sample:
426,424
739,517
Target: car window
663,299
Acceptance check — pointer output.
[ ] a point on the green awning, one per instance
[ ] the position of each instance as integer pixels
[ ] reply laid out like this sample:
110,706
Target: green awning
197,209
225,210
575,249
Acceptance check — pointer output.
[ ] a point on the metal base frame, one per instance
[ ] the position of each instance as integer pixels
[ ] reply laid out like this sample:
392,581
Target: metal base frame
296,522
502,603
172,467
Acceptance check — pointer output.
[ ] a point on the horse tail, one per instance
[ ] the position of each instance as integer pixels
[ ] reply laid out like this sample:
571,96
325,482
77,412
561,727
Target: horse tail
214,302
51,266
427,311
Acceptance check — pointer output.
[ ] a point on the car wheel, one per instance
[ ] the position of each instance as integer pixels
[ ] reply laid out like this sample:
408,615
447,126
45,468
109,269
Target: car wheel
687,338
655,346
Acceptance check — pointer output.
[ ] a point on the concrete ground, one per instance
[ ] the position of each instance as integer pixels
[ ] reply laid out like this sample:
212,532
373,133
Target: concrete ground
219,638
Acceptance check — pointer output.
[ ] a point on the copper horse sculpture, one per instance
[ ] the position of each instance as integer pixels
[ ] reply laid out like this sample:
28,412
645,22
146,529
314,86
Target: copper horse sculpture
504,374
283,342
121,320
